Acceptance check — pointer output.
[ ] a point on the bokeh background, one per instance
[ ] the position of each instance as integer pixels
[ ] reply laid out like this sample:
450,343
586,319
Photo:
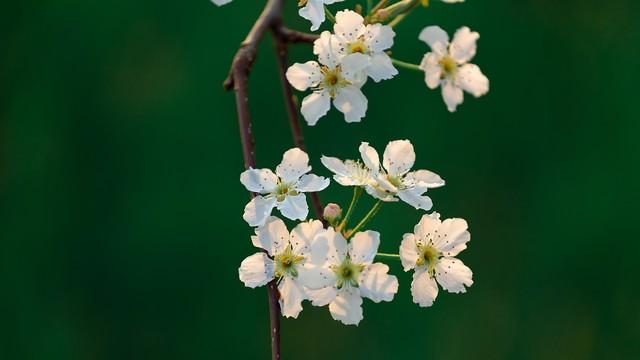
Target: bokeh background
121,229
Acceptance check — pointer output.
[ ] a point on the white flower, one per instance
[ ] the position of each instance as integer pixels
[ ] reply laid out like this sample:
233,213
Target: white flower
313,10
430,250
352,36
349,274
220,2
291,258
285,189
389,180
447,65
334,78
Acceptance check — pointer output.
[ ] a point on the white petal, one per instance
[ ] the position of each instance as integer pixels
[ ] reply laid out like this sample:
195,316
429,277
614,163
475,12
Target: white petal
322,296
220,2
384,184
436,38
351,102
353,66
425,178
379,37
364,246
314,277
323,47
347,306
258,209
312,183
472,80
453,275
452,237
294,207
452,1
291,296
413,196
339,168
463,45
314,106
304,76
337,246
423,288
376,284
261,181
302,237
408,252
349,25
432,70
427,226
256,270
380,194
314,12
273,236
398,157
381,67
295,162
452,95
369,156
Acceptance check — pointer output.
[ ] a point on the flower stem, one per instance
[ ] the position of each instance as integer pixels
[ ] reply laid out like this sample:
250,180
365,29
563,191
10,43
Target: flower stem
406,65
397,256
357,191
365,219
329,15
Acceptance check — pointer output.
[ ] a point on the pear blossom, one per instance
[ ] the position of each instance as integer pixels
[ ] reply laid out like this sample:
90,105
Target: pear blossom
447,65
334,78
285,189
430,250
390,181
313,10
349,274
351,36
292,259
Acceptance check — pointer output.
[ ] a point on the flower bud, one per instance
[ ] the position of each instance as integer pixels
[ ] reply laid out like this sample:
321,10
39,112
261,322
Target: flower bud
332,213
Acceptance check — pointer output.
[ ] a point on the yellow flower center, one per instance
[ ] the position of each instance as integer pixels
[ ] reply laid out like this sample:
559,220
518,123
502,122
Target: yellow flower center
358,46
448,65
429,256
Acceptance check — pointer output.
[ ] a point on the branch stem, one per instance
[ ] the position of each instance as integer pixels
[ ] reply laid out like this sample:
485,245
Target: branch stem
388,255
357,191
406,65
365,219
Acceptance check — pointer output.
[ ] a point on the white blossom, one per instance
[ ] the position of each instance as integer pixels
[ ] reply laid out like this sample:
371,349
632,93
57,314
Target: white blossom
430,250
285,189
349,274
334,78
351,36
392,179
291,258
313,10
447,65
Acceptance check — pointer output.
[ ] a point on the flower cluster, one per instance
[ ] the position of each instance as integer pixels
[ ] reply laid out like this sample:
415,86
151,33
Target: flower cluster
334,265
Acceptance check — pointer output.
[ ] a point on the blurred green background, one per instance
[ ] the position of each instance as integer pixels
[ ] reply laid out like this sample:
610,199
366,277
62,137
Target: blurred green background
120,205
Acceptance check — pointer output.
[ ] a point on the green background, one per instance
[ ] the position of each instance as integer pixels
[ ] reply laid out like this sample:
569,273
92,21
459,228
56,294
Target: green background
120,205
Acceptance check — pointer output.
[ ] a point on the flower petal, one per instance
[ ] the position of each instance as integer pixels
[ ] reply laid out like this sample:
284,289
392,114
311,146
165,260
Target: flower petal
302,237
314,12
453,275
432,70
376,284
364,246
291,296
295,162
323,47
256,270
408,252
273,236
472,80
294,207
258,209
304,76
452,95
347,306
436,38
398,157
463,45
425,178
452,237
337,246
379,37
314,106
413,196
351,102
352,67
220,2
261,181
427,226
349,25
334,164
423,288
322,296
369,156
314,277
312,183
381,67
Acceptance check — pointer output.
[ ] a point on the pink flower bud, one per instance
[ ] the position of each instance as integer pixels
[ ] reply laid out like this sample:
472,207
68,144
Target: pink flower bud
332,212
